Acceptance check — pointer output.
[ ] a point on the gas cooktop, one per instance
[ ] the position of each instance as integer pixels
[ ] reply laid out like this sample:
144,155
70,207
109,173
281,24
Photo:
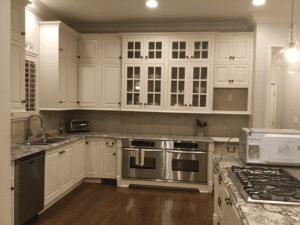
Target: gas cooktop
266,185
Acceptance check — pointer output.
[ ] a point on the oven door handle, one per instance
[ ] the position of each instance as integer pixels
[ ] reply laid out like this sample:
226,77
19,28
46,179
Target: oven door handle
146,149
187,152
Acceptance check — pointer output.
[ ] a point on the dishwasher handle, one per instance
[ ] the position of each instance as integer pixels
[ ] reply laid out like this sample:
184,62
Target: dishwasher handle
146,149
187,152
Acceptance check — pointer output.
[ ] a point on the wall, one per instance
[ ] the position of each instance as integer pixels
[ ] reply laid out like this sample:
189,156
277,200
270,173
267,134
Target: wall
5,192
160,123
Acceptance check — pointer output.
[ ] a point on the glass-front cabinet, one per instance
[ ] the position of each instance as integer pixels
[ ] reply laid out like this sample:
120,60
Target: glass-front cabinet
143,86
190,49
189,87
144,50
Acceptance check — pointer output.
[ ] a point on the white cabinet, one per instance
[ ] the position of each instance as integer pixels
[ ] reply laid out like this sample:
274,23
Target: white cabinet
111,86
57,58
225,212
109,158
139,48
143,86
231,75
111,51
193,49
233,50
66,170
188,87
87,85
93,158
88,50
17,76
18,20
73,84
79,160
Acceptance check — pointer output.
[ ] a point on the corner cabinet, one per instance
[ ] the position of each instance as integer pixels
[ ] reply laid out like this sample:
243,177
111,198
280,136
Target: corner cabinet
58,57
225,212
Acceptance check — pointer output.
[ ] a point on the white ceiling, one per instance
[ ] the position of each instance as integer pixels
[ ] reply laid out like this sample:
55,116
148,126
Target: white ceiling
135,11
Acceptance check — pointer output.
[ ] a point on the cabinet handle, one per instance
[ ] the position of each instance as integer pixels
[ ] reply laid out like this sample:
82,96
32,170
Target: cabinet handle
219,201
12,188
61,152
120,57
140,103
190,105
119,103
23,33
230,57
114,154
141,57
78,102
220,179
187,57
146,57
23,101
111,143
192,57
86,142
145,103
60,102
60,49
232,81
228,201
185,104
233,57
64,152
78,57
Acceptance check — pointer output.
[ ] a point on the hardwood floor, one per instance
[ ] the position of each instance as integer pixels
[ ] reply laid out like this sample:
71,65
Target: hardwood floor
104,204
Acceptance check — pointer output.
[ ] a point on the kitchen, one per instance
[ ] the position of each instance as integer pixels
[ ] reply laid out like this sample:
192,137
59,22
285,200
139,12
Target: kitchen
179,124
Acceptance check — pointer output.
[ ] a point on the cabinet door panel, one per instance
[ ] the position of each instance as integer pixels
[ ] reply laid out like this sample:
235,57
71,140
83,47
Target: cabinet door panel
17,22
73,84
17,76
87,75
111,86
200,49
63,44
63,82
109,170
88,51
111,50
241,50
231,215
222,75
155,50
92,163
66,168
72,48
134,50
240,75
52,174
223,50
79,161
178,50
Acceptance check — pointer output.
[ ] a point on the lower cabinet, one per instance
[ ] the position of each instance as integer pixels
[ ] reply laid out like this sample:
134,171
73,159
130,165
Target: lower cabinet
109,158
79,159
224,211
93,157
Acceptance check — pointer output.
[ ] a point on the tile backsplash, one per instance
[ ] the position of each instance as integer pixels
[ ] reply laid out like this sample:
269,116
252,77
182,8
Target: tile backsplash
133,122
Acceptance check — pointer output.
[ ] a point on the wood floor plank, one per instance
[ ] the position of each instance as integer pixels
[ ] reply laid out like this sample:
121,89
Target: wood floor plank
103,204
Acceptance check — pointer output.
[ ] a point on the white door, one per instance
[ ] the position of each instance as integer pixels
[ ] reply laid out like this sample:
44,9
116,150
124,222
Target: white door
109,163
87,81
17,76
52,176
65,162
63,82
240,75
88,51
92,158
72,46
63,50
199,83
179,50
222,75
72,84
111,50
133,50
200,49
230,213
241,50
223,52
17,22
79,160
111,86
178,87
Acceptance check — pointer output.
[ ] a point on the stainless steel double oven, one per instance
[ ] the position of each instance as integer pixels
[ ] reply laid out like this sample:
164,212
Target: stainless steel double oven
172,161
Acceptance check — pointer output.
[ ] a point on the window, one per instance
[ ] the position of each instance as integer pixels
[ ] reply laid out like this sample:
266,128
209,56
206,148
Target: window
30,85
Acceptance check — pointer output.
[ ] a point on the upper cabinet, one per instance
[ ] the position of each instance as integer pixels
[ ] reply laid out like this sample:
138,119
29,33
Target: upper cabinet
18,20
58,57
190,49
88,50
144,49
233,50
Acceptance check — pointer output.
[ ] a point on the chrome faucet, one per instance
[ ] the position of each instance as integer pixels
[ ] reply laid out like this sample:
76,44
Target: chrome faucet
29,129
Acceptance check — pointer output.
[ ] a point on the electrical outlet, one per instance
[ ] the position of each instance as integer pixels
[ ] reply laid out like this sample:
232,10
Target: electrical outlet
230,97
295,120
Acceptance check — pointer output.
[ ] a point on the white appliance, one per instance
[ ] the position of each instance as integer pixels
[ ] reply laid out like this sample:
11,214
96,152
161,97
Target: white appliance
270,146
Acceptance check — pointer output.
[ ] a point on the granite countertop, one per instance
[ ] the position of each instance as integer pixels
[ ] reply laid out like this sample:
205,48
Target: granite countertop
257,213
19,151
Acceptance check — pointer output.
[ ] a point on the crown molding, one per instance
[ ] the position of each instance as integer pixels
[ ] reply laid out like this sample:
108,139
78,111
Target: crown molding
274,17
42,11
230,26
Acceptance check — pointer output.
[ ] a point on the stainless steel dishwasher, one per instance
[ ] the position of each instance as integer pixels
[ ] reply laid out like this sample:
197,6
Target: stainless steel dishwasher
29,187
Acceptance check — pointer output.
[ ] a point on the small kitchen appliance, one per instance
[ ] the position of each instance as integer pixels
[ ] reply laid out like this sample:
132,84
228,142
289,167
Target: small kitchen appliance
266,185
270,146
78,126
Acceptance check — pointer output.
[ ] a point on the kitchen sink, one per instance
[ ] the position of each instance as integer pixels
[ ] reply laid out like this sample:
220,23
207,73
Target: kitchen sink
43,141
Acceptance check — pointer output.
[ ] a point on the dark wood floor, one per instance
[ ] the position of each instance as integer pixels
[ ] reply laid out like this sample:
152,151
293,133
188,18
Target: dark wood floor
105,204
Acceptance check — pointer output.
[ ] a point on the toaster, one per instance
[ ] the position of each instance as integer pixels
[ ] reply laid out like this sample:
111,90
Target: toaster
77,126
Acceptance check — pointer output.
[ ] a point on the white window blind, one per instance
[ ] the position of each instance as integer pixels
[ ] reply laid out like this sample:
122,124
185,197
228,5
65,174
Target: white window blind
30,85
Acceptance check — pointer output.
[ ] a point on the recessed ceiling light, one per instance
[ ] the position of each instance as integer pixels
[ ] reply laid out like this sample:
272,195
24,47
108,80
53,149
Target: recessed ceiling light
151,3
259,2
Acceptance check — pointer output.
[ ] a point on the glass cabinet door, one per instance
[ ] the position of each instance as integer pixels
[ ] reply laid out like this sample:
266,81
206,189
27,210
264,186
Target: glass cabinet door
155,51
178,86
133,85
154,85
134,50
199,91
179,50
200,50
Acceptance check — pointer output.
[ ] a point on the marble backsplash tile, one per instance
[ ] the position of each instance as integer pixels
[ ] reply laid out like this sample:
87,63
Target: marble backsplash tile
132,122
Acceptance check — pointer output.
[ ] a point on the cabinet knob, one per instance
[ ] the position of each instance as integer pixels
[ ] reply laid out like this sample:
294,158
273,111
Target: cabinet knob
120,57
228,201
185,104
60,49
146,57
230,57
141,57
60,102
23,33
232,81
78,57
86,142
187,57
192,57
78,102
140,103
145,103
233,57
12,188
119,103
114,154
219,201
23,101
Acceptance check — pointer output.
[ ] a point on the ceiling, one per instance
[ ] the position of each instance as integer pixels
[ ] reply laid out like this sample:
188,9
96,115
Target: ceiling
172,11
